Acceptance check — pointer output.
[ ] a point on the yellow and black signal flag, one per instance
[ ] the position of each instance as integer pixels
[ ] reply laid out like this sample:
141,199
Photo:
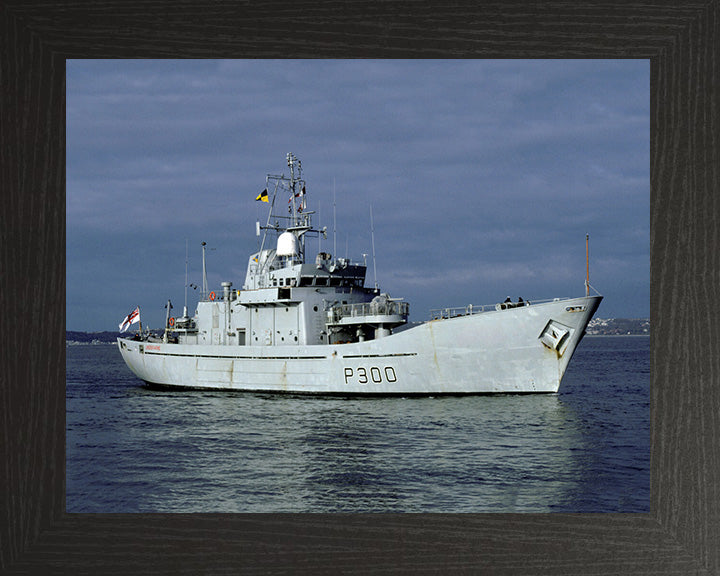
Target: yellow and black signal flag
263,196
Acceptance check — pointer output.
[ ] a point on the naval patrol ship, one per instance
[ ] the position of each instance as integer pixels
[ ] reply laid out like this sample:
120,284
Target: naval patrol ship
300,324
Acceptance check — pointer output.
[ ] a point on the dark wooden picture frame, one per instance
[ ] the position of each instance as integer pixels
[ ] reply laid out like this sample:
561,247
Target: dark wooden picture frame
680,535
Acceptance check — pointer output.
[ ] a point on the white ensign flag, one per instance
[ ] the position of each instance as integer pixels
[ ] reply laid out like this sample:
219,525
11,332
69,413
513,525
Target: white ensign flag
130,319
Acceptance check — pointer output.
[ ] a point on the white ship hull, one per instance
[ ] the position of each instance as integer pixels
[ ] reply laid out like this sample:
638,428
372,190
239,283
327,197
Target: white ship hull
519,350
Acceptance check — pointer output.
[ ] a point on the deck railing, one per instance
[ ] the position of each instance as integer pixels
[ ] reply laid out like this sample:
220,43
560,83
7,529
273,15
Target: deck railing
470,309
386,308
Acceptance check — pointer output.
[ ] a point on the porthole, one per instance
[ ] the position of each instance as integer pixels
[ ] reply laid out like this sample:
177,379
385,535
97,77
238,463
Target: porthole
315,308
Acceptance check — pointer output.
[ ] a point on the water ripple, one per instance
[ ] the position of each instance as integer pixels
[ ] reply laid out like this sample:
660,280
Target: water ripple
586,449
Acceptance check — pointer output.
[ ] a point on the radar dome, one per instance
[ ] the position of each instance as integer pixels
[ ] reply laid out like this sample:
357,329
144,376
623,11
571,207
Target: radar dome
287,244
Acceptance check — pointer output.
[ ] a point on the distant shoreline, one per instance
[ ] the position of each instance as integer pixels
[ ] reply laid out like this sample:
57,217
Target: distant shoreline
102,343
597,327
616,335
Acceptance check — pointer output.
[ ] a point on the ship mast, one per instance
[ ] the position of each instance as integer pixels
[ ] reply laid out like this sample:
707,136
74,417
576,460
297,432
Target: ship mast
299,220
299,224
204,271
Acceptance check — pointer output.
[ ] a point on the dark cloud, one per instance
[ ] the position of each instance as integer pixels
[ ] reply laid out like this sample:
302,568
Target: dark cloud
484,176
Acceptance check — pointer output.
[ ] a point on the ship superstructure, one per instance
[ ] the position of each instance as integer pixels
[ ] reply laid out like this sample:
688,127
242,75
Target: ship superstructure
307,324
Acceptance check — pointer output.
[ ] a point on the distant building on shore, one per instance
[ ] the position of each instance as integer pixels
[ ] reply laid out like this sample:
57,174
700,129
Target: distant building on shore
619,327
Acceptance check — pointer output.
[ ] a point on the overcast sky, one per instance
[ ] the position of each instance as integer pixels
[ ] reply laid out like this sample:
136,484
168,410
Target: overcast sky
484,176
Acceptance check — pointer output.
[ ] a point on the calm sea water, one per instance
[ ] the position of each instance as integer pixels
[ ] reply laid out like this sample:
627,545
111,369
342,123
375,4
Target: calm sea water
585,449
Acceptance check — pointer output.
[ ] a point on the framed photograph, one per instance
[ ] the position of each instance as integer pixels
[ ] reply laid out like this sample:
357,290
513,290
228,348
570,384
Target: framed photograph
676,535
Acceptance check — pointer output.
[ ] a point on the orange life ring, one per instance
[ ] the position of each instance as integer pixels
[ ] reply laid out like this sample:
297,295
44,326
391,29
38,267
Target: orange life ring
171,322
212,296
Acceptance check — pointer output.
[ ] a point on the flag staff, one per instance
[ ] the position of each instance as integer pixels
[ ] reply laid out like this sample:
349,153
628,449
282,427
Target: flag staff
168,307
587,264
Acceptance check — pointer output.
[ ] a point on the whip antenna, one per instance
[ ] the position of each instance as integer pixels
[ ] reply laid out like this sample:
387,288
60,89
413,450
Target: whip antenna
372,235
186,276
